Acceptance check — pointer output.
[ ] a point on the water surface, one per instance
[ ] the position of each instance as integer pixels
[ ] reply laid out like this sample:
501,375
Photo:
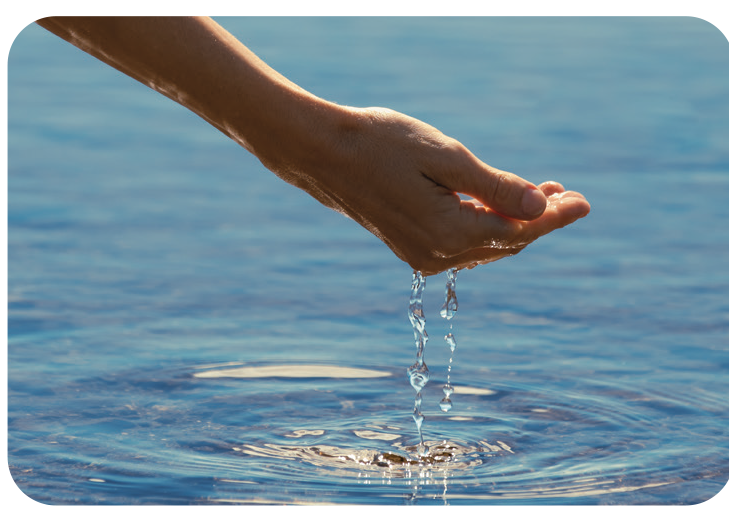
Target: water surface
185,328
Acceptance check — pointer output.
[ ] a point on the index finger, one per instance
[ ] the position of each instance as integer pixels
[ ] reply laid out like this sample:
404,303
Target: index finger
486,228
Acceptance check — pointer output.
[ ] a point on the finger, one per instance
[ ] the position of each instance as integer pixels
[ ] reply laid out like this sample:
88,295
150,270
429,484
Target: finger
504,192
479,227
481,235
482,227
562,209
549,188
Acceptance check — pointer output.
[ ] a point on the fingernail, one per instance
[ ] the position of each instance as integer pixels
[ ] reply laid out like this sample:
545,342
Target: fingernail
533,202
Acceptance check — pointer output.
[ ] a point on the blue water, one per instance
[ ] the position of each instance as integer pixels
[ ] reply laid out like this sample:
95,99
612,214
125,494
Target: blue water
164,287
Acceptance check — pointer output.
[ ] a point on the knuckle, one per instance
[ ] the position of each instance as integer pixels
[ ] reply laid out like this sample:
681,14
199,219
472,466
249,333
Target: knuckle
501,190
454,146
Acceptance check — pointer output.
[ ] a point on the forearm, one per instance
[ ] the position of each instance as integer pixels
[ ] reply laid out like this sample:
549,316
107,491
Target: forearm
200,65
398,177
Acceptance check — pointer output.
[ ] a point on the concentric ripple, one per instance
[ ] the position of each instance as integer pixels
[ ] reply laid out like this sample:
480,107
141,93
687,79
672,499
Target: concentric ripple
224,435
444,455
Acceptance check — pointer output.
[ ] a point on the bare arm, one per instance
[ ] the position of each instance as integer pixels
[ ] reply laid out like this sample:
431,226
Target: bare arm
396,176
197,63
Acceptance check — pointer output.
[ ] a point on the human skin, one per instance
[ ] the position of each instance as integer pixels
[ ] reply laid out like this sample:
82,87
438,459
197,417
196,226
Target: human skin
398,177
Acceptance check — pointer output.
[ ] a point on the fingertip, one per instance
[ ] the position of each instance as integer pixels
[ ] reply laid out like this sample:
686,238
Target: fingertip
551,187
586,208
572,205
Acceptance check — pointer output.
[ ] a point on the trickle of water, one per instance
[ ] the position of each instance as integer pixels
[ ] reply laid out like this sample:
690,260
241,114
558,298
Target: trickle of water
451,340
450,306
418,372
415,309
419,375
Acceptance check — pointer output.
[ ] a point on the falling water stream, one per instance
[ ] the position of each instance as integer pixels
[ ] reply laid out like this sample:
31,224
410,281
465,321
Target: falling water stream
180,336
450,306
418,372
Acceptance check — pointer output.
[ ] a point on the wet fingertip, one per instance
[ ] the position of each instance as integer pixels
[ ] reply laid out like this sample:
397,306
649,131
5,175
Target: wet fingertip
551,187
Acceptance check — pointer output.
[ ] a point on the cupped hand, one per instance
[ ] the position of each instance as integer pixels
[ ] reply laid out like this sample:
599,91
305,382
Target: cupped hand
510,236
404,180
398,177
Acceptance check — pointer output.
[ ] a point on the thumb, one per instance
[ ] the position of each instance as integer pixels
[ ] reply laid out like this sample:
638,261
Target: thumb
503,192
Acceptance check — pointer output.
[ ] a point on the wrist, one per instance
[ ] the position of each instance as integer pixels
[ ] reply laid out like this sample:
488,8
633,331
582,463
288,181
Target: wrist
297,135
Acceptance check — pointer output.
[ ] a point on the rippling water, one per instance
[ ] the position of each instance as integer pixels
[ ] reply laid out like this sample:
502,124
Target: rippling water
185,328
294,434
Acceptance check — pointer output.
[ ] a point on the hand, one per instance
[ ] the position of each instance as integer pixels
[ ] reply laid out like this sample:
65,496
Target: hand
398,177
401,178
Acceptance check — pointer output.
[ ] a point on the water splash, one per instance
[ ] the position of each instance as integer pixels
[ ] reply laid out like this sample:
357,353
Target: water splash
449,309
418,372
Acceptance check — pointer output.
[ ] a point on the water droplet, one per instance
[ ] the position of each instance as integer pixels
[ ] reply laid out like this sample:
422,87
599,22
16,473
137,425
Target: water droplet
446,404
448,390
451,341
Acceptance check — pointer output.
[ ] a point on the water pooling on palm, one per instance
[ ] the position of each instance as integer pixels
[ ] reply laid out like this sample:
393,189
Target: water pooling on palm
418,373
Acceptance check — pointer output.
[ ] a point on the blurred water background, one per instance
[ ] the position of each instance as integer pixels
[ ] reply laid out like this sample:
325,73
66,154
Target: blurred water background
163,284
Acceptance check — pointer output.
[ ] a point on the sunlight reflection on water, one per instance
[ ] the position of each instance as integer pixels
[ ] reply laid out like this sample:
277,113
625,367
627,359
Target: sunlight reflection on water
184,328
295,371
